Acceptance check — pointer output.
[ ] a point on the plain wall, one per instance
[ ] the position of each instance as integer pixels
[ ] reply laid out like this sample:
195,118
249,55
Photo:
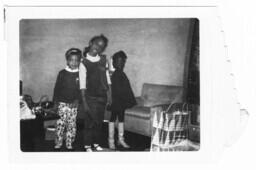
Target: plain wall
156,49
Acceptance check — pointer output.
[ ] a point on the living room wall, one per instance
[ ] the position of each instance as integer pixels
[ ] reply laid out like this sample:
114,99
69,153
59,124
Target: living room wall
156,49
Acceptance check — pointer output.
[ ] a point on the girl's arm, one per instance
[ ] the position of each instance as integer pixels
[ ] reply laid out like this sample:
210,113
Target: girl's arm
109,95
84,102
57,88
109,92
82,82
56,92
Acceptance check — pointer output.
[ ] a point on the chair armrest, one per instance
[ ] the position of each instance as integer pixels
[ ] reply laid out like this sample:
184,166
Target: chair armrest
139,101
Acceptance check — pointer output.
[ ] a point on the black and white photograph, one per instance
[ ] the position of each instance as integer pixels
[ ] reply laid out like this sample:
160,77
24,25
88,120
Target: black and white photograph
109,84
136,84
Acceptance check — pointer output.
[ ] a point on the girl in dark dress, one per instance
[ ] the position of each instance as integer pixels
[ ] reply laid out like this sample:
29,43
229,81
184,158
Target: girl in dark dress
95,91
122,98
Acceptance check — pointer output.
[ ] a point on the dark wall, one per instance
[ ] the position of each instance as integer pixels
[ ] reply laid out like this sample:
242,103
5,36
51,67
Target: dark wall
156,49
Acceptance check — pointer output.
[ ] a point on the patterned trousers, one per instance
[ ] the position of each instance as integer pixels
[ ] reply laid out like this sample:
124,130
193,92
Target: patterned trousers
66,122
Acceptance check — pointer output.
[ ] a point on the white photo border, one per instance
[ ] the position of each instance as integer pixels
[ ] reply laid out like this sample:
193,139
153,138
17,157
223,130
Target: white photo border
211,50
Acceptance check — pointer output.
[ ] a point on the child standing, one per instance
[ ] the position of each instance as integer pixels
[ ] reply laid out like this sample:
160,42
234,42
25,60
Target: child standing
94,86
122,98
66,98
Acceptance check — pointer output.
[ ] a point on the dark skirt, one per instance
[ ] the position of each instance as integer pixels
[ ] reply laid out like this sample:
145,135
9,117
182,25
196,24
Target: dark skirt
97,107
93,121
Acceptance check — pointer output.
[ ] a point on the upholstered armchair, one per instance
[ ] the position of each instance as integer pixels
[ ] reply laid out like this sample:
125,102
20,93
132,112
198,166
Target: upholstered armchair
153,96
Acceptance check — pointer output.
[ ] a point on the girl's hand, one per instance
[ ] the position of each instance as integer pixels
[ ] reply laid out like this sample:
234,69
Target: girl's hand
55,107
86,107
75,104
109,100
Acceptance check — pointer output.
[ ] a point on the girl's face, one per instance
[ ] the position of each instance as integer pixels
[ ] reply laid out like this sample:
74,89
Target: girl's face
73,62
119,63
97,47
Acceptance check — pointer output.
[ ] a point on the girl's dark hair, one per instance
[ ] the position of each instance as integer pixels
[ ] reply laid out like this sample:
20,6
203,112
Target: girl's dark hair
102,37
119,54
73,51
86,50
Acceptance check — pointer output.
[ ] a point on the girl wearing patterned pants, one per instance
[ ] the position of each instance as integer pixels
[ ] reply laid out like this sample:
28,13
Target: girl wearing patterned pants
66,97
67,121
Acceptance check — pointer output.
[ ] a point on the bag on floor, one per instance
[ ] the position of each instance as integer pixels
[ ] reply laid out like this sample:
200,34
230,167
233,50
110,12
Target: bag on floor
170,128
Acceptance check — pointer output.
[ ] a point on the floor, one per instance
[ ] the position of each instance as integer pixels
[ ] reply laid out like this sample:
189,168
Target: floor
136,141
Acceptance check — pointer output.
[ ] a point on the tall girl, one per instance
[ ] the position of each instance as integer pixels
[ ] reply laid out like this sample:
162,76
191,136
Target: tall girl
95,91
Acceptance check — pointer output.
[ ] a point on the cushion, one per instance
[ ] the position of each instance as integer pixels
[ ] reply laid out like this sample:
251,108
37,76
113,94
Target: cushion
149,103
138,111
154,94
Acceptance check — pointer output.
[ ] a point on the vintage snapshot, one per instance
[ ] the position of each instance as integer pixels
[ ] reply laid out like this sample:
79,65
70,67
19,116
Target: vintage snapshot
109,84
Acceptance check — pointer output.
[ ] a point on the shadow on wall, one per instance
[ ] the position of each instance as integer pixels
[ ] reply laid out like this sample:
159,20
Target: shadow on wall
156,49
